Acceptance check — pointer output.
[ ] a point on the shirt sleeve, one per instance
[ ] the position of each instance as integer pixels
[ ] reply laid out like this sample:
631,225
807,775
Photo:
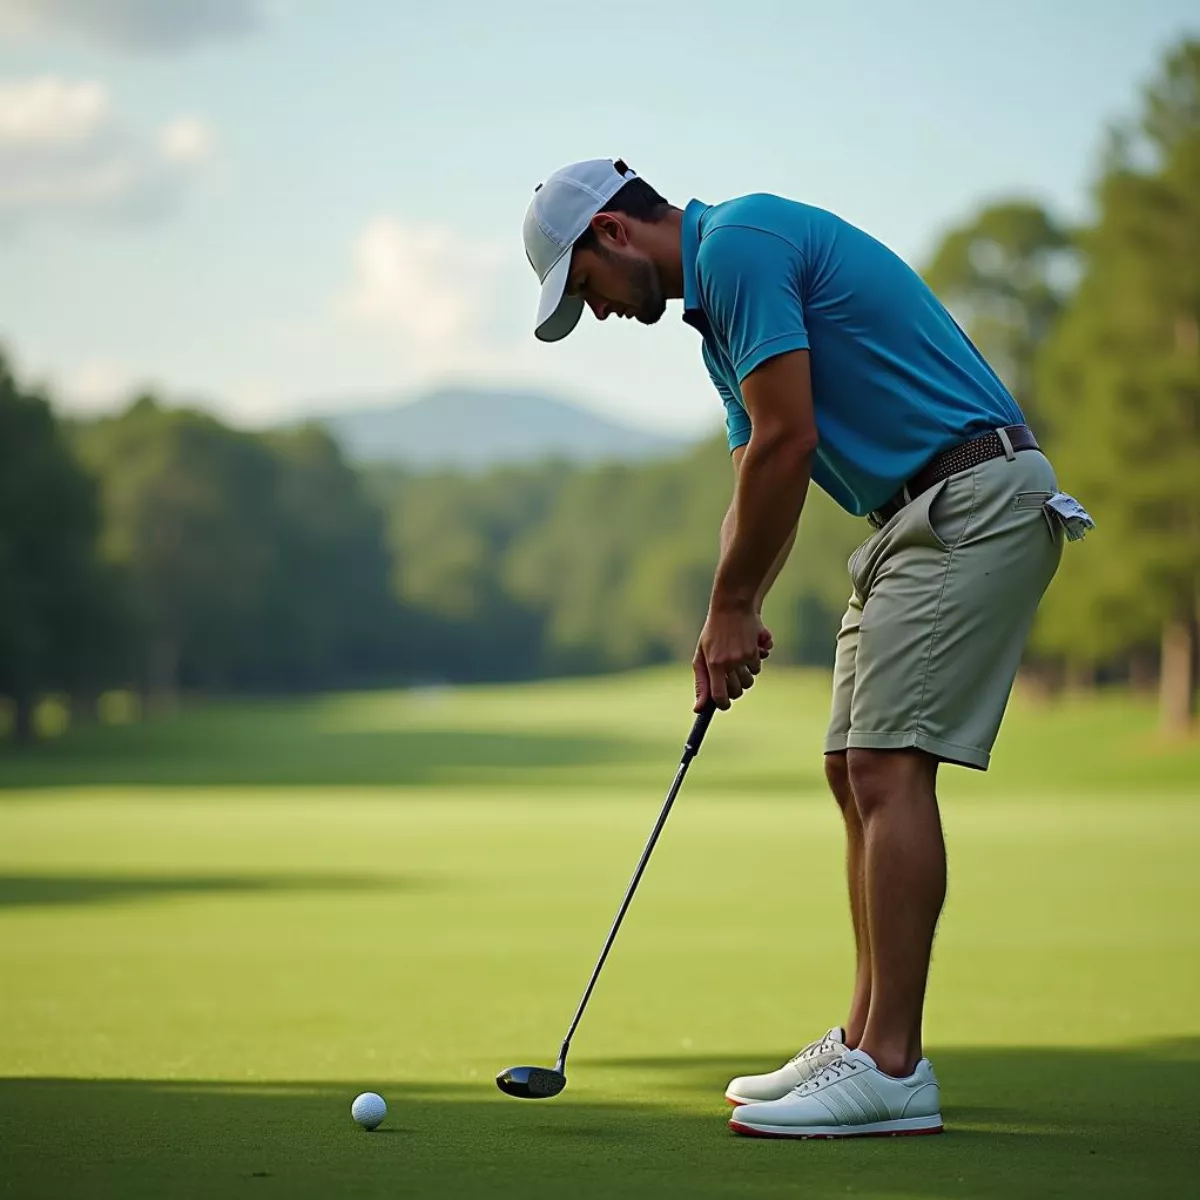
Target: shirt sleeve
737,419
751,283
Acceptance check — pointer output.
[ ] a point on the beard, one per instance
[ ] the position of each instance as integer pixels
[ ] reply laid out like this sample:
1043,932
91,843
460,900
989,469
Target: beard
649,304
645,290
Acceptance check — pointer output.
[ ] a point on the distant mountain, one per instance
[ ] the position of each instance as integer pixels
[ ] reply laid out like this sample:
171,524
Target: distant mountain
477,428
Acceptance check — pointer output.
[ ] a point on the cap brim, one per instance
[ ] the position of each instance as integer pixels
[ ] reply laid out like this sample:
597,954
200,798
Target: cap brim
558,313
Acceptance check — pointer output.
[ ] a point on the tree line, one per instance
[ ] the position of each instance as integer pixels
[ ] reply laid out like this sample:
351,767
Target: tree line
160,550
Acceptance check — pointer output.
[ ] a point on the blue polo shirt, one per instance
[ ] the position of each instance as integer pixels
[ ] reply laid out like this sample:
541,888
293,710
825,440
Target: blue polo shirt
894,379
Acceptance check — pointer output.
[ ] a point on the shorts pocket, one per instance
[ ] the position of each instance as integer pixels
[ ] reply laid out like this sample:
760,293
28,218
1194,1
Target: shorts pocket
948,510
1031,499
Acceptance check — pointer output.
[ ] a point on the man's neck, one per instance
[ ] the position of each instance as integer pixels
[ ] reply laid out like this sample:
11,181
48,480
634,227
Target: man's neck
666,249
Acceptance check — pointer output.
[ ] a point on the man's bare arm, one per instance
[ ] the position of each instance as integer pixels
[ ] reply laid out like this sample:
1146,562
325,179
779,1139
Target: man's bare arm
727,537
773,474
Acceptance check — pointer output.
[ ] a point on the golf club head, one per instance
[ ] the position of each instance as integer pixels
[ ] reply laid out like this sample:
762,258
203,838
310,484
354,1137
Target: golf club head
531,1083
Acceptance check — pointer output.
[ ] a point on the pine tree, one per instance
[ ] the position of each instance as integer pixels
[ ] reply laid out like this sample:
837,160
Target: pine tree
1120,385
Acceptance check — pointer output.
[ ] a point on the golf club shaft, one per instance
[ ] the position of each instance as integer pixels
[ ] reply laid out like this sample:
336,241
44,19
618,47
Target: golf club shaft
690,750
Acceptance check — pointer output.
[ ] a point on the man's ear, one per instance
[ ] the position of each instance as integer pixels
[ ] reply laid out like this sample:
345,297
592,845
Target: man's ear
612,227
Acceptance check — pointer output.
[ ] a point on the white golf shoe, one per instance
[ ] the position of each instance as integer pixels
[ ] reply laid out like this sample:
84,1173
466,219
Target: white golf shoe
751,1089
850,1097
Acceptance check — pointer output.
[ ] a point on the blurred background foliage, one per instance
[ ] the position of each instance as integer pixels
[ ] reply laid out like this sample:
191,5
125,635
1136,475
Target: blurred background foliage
159,553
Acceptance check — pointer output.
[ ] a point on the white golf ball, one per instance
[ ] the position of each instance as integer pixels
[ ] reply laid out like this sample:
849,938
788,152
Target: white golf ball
369,1110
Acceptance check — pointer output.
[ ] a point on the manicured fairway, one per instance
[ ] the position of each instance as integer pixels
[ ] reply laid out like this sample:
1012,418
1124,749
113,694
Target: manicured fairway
216,930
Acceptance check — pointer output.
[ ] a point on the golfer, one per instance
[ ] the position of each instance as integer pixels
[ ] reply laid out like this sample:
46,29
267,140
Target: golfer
837,365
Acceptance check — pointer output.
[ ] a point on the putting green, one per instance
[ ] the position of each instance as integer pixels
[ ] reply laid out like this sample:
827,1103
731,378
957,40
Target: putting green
216,930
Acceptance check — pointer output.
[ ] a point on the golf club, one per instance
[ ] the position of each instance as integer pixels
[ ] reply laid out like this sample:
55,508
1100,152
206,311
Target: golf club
540,1083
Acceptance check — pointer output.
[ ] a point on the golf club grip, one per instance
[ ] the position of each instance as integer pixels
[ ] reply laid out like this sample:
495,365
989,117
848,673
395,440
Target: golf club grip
699,729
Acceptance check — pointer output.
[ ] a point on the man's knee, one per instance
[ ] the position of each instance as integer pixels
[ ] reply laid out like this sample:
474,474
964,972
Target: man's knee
837,773
879,777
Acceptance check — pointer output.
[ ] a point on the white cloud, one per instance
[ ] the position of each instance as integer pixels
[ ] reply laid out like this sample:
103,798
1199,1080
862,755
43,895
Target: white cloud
425,284
64,152
97,385
252,402
49,110
141,25
187,140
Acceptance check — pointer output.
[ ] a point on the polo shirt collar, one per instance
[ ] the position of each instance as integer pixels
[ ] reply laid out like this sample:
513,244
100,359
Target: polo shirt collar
693,313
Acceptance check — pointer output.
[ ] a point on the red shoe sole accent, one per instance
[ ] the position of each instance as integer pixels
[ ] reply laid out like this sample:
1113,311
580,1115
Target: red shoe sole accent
747,1131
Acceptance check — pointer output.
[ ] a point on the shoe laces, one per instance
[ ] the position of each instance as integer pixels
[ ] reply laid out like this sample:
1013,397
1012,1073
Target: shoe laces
817,1047
828,1074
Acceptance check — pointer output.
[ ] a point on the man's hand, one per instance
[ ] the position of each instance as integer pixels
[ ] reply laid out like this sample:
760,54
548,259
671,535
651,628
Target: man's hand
766,643
733,644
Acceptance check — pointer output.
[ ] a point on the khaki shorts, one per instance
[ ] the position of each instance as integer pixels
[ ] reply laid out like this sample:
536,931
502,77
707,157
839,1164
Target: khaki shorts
944,595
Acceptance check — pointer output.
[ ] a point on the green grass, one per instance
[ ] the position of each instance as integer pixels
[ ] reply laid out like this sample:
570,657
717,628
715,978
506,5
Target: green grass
216,930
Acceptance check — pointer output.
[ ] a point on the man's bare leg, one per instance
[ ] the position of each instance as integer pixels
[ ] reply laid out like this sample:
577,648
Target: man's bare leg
905,876
837,773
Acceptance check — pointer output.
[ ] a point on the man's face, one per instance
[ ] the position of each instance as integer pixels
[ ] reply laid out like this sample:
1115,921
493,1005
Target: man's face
613,277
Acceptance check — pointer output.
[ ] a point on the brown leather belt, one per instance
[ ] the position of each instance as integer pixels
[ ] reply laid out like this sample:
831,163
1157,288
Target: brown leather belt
950,462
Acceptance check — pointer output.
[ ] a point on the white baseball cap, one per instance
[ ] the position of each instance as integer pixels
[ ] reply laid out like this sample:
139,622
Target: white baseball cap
559,213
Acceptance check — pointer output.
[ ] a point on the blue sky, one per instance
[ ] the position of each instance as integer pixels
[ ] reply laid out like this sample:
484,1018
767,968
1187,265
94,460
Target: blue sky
268,206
